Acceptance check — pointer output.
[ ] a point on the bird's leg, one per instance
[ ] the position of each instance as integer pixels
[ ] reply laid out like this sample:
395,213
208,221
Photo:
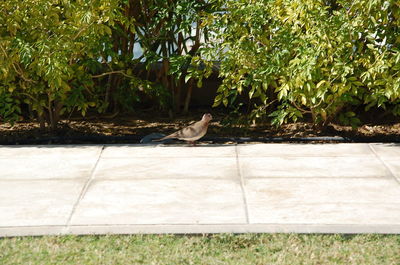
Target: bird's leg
193,143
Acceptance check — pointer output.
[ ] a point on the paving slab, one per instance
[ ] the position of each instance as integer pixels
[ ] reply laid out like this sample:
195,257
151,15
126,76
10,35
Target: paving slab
389,154
170,167
258,188
30,203
186,201
394,167
305,150
47,162
323,201
326,214
386,151
185,150
287,166
321,190
49,168
50,151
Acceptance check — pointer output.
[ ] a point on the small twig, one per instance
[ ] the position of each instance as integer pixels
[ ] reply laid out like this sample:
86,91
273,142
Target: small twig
348,11
80,31
112,72
30,96
301,109
70,114
320,102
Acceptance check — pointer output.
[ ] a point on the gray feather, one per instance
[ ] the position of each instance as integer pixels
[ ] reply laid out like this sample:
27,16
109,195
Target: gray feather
190,133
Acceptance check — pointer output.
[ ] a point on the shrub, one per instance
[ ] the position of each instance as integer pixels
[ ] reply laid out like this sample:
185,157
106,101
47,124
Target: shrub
290,58
46,48
312,57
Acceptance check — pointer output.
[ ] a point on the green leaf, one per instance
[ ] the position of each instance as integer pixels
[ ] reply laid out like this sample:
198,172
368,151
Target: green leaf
107,30
320,83
358,83
371,46
200,82
216,103
225,102
251,92
303,100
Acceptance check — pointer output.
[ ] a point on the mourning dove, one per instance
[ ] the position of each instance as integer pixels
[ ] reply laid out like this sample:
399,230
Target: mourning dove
192,132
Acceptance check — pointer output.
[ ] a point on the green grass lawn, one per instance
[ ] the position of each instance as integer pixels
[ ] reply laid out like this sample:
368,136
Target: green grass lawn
207,249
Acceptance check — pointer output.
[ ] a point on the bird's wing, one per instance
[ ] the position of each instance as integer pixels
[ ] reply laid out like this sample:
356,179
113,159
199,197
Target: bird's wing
191,131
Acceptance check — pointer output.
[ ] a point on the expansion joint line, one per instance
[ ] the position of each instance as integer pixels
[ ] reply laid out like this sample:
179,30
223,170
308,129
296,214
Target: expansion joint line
384,164
239,170
85,187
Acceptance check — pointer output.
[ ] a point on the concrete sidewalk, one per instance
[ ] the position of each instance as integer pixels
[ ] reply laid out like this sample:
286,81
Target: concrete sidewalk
97,189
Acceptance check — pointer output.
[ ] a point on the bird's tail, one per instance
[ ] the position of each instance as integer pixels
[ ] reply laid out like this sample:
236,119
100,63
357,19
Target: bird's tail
162,139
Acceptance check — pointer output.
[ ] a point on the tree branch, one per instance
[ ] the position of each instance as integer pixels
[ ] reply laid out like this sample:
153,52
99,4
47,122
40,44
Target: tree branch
112,72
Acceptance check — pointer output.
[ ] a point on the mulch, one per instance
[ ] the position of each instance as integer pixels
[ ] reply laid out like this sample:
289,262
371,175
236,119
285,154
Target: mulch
130,128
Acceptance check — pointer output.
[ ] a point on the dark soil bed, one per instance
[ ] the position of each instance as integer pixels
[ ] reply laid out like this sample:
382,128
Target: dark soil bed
130,128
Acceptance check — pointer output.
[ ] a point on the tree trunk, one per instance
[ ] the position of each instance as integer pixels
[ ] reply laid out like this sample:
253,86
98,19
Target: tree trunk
108,90
193,51
42,121
188,96
56,113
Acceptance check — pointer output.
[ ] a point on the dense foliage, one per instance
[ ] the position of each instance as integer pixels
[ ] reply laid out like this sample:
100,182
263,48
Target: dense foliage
61,56
282,58
45,50
307,56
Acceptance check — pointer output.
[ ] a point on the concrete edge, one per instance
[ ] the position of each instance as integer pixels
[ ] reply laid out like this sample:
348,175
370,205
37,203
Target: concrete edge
199,229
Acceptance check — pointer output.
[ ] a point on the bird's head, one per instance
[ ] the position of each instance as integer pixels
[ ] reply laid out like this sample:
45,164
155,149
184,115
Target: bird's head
207,117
